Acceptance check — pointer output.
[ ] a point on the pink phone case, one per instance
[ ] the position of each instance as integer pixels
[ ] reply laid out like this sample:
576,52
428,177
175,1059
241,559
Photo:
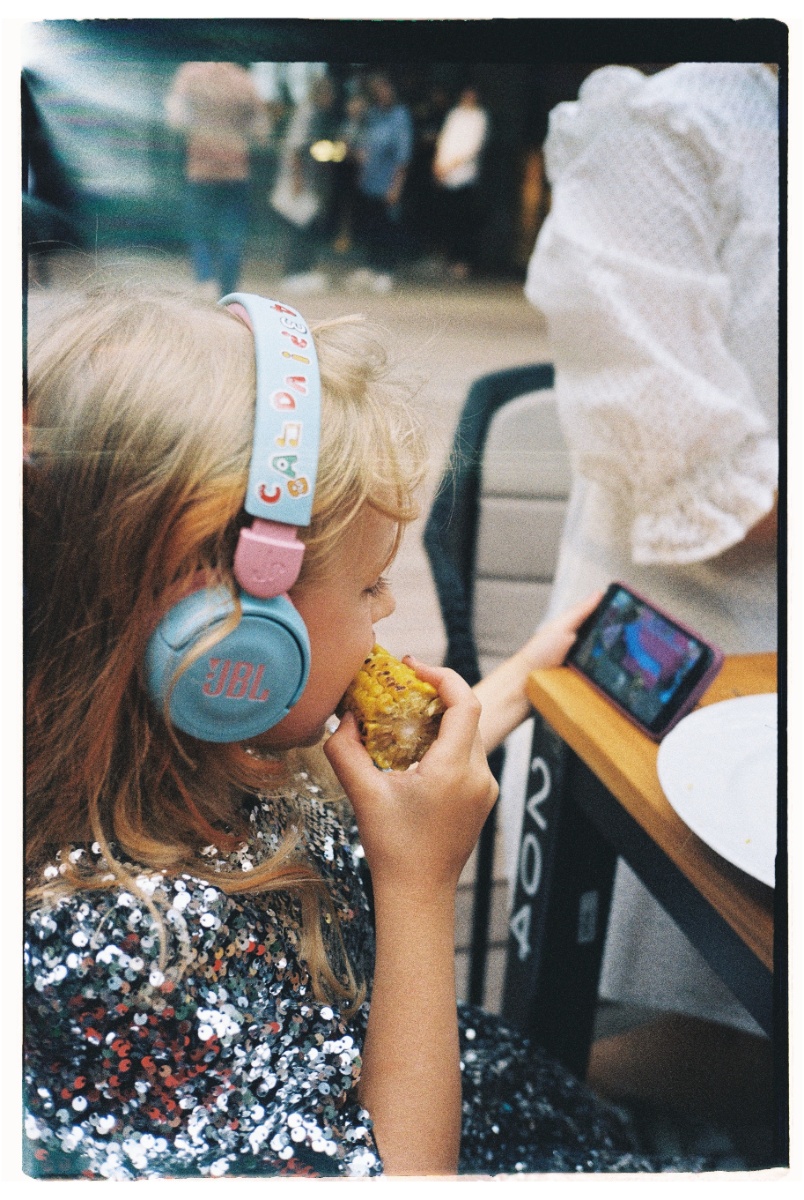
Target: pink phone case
698,690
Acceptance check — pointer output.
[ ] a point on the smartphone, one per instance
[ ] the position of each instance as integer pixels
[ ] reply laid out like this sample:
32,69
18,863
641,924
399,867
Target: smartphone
650,666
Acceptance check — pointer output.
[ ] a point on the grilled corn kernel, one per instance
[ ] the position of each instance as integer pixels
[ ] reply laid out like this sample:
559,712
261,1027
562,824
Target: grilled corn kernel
397,713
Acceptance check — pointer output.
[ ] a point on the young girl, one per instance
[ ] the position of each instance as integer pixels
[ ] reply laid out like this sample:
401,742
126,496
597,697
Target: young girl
199,951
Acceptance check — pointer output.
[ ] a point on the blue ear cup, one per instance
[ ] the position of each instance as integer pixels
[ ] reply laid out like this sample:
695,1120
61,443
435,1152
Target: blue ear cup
242,685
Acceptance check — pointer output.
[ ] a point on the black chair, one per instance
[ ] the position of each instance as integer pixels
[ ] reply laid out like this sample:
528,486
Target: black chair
508,475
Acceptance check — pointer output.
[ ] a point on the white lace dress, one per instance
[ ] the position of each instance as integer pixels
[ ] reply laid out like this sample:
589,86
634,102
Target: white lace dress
657,271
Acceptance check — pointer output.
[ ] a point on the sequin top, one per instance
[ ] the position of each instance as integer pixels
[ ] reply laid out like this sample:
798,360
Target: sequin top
230,1066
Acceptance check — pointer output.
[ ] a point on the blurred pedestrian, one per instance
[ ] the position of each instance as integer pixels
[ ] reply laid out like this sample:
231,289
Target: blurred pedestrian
347,170
303,188
428,112
217,108
456,168
384,152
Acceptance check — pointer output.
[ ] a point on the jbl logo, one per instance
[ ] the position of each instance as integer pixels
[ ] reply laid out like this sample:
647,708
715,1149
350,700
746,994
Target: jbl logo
235,681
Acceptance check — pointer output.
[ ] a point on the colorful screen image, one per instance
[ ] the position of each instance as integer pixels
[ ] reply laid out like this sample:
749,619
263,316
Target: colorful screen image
637,657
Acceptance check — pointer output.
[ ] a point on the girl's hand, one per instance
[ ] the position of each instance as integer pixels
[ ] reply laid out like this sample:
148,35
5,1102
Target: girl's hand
502,693
418,827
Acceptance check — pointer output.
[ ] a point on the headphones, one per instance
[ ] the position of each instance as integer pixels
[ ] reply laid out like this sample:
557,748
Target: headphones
248,680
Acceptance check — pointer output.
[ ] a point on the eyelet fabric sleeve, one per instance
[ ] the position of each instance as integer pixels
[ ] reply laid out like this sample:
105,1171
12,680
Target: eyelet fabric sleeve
657,271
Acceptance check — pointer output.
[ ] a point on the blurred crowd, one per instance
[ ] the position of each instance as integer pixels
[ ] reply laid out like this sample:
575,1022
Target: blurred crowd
325,171
357,178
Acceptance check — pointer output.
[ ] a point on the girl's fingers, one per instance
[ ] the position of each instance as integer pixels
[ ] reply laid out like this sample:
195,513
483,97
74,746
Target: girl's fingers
348,758
457,742
449,684
460,721
481,763
421,822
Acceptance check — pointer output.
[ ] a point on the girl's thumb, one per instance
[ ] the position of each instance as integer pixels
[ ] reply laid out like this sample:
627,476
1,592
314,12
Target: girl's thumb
346,753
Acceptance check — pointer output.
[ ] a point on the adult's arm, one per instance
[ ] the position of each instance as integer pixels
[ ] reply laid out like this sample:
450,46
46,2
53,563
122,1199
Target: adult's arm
505,703
402,150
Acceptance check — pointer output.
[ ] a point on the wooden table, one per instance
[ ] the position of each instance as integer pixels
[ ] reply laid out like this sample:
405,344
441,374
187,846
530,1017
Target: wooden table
593,794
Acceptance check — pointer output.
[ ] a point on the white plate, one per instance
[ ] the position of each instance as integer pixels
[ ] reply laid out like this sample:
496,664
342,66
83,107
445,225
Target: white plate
718,770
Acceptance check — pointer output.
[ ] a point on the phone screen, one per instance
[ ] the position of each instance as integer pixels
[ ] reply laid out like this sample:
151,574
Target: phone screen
641,659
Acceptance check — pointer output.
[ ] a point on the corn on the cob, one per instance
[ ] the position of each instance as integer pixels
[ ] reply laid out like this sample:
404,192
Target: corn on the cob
397,713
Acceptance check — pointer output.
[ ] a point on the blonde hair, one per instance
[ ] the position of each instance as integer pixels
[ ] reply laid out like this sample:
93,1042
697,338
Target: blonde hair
141,413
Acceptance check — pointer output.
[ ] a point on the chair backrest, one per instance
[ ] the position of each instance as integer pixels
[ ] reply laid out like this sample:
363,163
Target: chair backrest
451,531
525,484
492,540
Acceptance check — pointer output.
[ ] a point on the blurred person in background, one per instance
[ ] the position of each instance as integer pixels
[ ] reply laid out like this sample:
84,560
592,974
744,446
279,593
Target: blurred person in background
302,193
346,170
456,169
217,108
428,111
657,271
384,150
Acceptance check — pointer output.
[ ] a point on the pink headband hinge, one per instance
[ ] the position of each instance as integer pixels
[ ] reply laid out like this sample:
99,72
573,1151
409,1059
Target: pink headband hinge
268,558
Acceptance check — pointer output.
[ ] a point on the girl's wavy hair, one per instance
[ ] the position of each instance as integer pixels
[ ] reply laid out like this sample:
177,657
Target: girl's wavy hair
140,425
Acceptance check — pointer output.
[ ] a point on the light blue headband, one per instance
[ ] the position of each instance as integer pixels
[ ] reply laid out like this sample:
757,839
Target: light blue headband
284,455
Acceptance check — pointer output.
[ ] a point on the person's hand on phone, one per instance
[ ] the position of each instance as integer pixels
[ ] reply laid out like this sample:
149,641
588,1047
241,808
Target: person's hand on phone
502,693
644,661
